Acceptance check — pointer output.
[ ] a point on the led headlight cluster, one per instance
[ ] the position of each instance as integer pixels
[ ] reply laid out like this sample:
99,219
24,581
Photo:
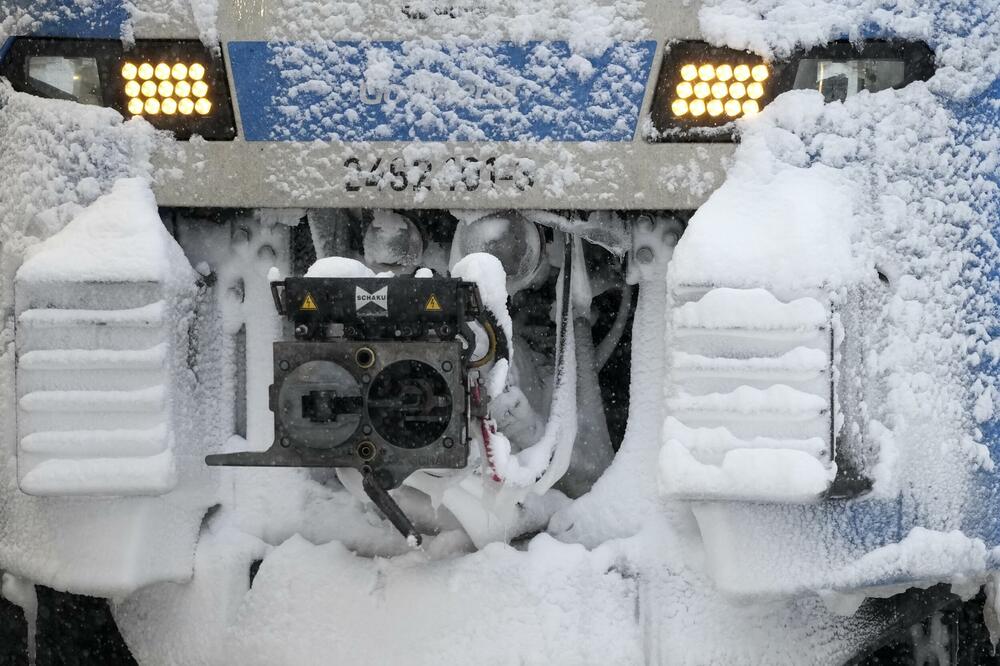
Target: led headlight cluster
167,89
702,89
719,90
176,85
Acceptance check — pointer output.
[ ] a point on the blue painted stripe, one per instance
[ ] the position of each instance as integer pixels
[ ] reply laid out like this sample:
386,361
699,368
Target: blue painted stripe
415,91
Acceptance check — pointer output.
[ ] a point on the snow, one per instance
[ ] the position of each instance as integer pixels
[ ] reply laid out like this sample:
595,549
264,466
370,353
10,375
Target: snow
764,229
736,308
922,555
590,26
301,586
339,267
709,445
491,281
963,33
152,475
60,158
761,474
748,401
818,198
800,362
143,316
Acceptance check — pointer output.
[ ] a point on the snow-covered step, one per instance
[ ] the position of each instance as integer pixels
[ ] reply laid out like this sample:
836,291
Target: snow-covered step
42,421
799,364
94,369
750,404
97,443
66,294
710,445
747,323
777,410
749,309
745,475
133,328
150,475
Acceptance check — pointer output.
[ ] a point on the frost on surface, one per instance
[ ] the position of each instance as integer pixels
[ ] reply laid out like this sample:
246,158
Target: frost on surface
590,25
902,182
59,158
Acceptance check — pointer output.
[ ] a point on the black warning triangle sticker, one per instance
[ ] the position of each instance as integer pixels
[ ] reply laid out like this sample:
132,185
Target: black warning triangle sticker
432,304
308,303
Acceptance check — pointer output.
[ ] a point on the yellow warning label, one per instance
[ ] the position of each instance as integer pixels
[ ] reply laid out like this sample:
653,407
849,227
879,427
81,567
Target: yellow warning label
308,303
432,304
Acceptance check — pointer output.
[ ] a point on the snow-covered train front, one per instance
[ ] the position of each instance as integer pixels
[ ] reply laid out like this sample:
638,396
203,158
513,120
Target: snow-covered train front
667,325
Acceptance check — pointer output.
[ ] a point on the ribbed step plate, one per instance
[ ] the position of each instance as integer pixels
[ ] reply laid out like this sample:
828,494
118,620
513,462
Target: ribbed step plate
93,380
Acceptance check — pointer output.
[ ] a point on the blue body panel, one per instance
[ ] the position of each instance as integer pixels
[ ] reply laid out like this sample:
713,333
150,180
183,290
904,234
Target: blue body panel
520,92
101,19
978,116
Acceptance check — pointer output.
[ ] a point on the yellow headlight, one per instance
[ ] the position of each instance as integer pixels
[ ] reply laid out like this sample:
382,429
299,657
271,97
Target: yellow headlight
145,71
185,106
152,106
737,90
714,107
202,106
179,71
689,72
148,89
199,88
750,107
196,71
182,89
162,71
129,71
702,90
755,90
719,90
166,89
706,72
679,107
132,88
759,73
723,72
135,106
697,107
684,89
169,106
741,72
733,108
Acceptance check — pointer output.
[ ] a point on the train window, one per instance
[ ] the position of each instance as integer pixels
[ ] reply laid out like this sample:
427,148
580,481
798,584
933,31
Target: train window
839,80
73,79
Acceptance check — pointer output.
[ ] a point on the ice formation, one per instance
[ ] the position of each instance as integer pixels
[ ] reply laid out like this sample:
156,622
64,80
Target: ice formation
819,197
